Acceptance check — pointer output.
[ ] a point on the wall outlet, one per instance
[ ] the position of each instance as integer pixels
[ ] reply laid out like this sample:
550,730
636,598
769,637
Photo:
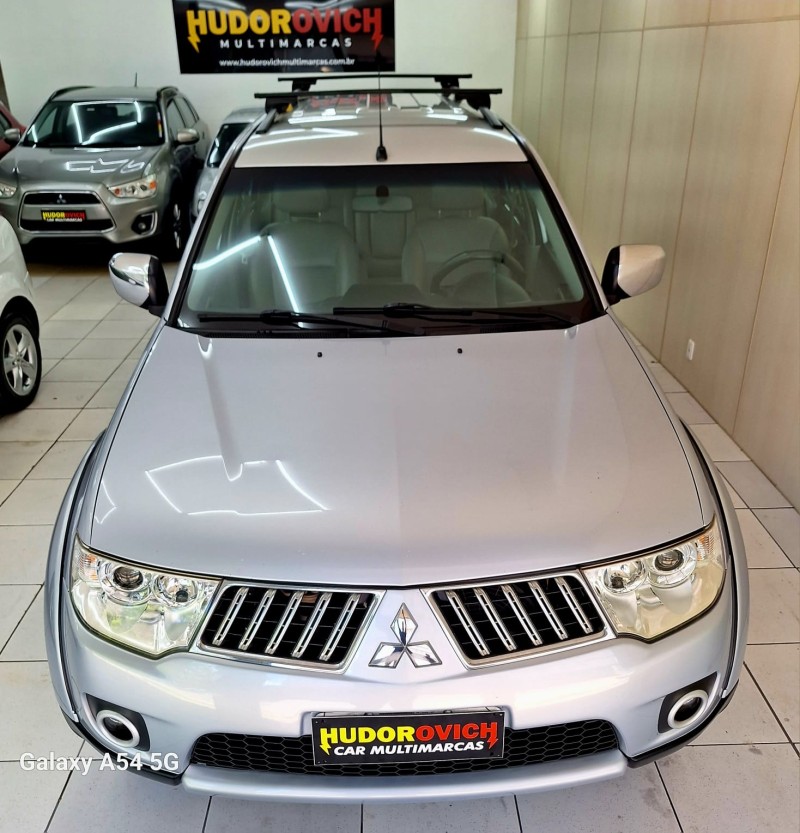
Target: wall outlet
690,349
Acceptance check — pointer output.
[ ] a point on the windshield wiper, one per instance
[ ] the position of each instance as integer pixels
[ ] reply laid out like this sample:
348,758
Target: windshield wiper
458,315
293,319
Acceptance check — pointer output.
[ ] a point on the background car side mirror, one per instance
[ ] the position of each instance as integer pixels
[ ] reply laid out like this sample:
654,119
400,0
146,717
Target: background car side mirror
189,136
140,280
632,270
12,136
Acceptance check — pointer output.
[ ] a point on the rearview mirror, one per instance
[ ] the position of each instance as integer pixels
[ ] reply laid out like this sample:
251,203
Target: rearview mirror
632,270
140,280
187,137
12,136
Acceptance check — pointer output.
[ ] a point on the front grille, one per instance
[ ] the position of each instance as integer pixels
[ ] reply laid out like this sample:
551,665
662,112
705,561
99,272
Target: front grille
303,626
61,198
495,621
523,747
55,225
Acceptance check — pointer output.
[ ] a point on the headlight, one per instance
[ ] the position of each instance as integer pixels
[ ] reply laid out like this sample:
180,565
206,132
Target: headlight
143,609
653,594
138,190
7,191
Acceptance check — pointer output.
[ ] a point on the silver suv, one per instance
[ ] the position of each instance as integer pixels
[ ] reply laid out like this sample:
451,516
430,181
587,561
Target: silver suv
106,162
391,508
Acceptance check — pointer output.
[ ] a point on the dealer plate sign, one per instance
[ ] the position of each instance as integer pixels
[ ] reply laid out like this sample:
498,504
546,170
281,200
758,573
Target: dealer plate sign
359,739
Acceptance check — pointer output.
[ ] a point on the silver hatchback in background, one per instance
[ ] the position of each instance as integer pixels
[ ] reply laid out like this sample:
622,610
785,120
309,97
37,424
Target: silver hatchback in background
115,163
232,125
391,508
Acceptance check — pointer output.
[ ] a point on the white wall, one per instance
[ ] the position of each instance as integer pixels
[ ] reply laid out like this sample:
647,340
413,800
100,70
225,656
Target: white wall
46,44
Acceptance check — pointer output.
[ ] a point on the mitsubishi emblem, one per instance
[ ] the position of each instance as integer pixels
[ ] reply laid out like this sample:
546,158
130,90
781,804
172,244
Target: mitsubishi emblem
61,200
389,654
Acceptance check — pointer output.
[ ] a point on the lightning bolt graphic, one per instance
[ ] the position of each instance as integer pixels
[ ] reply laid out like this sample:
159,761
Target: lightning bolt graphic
194,40
377,37
326,746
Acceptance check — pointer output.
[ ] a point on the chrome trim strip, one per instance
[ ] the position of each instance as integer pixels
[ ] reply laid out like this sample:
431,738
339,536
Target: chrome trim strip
519,611
570,599
547,609
341,625
258,618
493,616
312,624
285,621
233,609
467,623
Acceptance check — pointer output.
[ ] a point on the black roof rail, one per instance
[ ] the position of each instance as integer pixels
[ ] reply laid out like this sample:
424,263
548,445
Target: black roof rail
478,99
303,83
69,90
168,89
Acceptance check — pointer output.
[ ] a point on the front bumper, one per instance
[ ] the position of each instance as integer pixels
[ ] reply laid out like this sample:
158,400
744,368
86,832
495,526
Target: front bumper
186,695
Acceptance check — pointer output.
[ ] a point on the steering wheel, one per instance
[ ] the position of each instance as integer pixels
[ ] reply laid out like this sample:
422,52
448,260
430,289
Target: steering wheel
516,269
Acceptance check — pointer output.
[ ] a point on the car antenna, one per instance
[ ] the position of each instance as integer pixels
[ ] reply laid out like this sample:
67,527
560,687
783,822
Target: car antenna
136,79
380,154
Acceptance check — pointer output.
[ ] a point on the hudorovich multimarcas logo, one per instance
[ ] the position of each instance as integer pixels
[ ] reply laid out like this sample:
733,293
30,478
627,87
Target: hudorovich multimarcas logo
280,35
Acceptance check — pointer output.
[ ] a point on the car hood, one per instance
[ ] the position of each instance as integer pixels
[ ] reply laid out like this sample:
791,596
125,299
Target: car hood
392,462
80,165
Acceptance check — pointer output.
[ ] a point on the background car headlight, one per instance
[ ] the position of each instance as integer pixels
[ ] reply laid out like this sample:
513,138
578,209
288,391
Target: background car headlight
7,191
138,189
147,610
653,594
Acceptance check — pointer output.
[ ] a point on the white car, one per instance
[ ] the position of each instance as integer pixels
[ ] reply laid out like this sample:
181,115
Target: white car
19,327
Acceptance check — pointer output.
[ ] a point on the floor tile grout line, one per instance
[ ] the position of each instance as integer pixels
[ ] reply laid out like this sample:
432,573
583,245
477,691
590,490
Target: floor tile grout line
16,627
738,743
519,816
205,818
361,827
669,797
58,800
766,700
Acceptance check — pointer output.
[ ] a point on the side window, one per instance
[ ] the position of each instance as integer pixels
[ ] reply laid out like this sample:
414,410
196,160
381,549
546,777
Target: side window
186,111
174,120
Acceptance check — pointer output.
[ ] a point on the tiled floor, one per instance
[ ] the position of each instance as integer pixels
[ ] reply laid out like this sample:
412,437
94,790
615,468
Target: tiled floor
741,774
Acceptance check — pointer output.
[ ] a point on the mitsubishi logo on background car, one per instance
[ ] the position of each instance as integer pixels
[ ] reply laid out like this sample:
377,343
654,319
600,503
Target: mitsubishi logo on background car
60,200
389,654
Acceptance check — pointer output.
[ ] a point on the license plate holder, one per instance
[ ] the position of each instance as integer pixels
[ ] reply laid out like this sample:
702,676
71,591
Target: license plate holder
395,738
63,216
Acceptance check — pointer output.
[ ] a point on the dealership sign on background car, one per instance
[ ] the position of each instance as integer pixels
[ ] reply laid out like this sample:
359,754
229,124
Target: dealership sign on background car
280,35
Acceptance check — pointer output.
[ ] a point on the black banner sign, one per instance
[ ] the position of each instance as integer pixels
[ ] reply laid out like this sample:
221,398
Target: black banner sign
293,36
359,739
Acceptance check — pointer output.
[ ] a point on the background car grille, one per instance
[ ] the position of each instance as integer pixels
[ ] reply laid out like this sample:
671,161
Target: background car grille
492,622
61,198
294,755
294,625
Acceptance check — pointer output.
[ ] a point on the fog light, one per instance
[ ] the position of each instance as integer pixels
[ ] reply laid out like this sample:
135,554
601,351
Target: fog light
144,223
117,728
687,709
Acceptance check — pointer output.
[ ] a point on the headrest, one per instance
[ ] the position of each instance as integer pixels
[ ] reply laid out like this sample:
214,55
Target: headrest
457,197
302,202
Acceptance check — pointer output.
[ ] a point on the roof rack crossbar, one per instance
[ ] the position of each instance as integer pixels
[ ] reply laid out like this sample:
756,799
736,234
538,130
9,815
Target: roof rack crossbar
168,89
69,90
303,83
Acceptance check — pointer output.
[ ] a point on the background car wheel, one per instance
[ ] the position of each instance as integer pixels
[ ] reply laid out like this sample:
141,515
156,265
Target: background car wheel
21,369
176,227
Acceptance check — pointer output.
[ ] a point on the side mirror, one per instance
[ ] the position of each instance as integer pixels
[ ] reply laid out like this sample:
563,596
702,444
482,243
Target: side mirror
189,136
12,136
140,280
632,270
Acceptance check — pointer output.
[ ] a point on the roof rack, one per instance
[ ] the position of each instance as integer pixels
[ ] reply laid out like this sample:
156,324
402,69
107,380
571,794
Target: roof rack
69,90
303,83
168,89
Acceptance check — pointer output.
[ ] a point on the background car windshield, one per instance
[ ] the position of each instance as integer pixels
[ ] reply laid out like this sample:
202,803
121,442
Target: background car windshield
312,239
223,141
96,124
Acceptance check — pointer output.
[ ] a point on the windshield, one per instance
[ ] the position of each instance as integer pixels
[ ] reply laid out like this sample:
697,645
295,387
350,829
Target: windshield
103,124
336,239
223,141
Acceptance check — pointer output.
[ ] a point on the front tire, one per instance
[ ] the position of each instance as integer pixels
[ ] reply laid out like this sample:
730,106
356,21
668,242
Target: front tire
21,370
176,227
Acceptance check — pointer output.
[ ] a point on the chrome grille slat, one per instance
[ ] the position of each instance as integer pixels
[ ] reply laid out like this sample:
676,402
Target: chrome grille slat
544,603
285,622
569,597
467,623
315,628
519,611
311,625
230,616
339,628
257,620
512,619
494,619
